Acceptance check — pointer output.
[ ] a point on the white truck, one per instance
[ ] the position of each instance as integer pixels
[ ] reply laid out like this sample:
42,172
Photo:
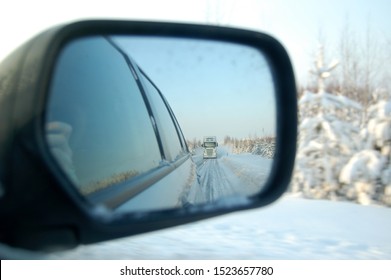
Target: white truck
210,147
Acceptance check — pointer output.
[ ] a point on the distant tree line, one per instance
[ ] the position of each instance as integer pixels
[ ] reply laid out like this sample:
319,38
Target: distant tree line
262,146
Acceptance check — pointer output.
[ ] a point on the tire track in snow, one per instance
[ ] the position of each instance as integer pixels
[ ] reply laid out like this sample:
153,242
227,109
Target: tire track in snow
214,181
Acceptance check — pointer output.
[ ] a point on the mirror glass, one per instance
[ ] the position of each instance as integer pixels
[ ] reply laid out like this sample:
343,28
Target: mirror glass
142,123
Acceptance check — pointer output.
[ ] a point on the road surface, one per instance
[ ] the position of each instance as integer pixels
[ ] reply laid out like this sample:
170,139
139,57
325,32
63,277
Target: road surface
231,175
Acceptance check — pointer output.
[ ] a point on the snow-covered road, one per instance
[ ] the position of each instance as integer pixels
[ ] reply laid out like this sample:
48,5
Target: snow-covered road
231,175
214,181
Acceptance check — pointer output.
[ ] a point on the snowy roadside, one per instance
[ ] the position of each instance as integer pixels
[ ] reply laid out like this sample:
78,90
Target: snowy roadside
253,170
292,228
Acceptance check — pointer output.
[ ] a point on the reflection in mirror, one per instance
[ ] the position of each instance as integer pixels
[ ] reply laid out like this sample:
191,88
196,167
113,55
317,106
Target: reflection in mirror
146,123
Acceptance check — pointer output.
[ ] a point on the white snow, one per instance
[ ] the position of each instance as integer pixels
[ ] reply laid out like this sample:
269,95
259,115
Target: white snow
377,134
366,165
292,228
253,170
328,101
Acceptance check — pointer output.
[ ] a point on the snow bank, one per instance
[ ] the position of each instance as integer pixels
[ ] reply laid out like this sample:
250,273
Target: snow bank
253,170
292,228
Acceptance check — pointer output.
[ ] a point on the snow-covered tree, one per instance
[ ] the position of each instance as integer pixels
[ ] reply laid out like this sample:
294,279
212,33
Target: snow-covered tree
377,132
262,146
265,147
328,137
366,178
344,143
327,140
322,71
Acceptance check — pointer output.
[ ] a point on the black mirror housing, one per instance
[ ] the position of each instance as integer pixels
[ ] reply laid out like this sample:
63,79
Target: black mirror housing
39,208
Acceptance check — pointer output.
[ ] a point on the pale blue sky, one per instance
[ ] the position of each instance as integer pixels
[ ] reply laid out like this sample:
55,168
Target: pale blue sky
297,23
214,88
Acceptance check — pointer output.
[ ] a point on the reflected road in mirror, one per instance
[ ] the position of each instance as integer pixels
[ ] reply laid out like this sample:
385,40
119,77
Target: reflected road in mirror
231,174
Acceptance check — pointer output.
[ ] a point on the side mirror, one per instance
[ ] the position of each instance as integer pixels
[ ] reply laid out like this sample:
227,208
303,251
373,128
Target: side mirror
97,118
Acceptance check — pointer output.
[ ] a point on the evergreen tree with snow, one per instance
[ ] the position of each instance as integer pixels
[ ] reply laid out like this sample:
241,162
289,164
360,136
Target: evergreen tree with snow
366,178
328,137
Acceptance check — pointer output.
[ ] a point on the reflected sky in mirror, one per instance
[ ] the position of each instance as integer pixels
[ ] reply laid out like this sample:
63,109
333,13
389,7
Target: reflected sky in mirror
214,88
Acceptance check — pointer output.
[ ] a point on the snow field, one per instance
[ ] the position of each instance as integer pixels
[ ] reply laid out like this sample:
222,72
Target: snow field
292,228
